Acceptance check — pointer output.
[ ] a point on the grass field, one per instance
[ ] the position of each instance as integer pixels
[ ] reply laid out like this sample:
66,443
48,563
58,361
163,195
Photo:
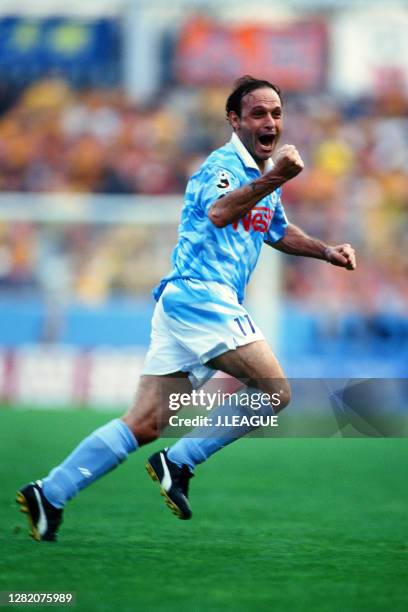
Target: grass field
285,524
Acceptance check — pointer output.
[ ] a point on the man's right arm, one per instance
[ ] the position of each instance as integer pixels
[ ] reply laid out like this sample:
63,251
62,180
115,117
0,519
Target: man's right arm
235,204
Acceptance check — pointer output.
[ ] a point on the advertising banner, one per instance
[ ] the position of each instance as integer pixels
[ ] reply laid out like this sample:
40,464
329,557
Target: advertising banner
291,54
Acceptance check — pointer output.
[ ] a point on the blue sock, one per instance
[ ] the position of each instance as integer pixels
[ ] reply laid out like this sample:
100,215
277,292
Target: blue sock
202,442
99,453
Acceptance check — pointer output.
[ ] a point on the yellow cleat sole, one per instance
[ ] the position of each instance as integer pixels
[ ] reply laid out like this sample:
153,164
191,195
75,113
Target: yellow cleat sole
175,510
22,502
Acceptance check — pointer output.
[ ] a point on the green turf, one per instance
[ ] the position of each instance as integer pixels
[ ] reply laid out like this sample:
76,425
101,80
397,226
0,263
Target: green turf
285,524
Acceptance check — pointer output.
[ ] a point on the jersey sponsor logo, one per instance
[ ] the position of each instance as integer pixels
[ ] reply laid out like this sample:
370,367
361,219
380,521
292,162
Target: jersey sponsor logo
258,219
223,180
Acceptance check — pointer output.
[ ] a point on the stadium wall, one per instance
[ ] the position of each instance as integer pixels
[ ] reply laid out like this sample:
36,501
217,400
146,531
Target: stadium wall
59,348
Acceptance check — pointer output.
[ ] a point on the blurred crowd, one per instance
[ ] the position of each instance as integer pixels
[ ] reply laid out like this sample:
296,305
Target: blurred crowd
354,187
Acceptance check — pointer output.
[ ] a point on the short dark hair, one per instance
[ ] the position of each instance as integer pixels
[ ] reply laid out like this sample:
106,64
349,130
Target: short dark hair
242,87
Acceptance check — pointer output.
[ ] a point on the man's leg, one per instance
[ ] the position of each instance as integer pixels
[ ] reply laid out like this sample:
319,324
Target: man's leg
257,365
253,363
99,453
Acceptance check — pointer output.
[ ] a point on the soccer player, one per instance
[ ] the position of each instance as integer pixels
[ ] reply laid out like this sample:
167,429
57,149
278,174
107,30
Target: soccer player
232,207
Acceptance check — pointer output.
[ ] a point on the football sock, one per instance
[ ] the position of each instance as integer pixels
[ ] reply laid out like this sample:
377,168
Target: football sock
203,441
96,455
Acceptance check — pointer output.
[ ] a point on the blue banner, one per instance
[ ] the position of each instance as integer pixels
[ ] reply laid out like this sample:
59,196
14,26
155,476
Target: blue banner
78,49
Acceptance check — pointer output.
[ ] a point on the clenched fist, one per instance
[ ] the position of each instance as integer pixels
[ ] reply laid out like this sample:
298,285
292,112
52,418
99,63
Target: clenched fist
288,162
342,255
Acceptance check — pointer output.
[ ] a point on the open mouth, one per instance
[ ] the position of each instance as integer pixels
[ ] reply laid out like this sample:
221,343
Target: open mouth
266,140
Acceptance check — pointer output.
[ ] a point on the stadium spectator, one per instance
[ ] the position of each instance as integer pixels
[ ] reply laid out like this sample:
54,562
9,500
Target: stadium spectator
56,139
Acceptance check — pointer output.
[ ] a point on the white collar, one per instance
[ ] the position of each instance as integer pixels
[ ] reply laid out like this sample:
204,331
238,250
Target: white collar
246,157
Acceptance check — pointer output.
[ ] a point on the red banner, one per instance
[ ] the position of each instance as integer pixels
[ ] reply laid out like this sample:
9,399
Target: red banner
292,55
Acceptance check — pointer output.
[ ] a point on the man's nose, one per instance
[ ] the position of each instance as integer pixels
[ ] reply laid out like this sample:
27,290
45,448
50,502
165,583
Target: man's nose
269,121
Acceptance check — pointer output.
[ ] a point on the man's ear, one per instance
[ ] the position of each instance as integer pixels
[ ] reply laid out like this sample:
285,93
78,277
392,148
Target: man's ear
234,120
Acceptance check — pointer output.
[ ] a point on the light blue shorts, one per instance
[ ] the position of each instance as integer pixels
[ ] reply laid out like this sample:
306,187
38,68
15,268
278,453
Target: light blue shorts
193,322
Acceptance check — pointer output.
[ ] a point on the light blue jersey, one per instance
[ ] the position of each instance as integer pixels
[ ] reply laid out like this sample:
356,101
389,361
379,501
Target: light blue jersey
225,255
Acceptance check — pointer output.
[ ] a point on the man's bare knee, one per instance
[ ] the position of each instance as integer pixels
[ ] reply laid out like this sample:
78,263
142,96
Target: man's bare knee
149,413
143,419
144,430
280,397
256,365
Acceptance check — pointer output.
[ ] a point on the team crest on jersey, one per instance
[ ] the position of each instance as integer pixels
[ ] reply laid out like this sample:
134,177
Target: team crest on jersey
223,180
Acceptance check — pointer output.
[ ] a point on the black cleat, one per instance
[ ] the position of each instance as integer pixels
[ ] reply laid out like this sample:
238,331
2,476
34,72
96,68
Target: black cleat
44,519
173,481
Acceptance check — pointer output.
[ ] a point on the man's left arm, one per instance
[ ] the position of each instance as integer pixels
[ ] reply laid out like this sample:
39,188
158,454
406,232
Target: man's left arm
296,242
